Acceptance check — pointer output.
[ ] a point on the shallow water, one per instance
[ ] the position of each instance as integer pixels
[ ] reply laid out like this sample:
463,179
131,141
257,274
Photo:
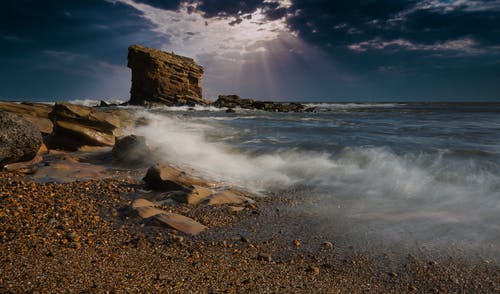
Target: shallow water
405,175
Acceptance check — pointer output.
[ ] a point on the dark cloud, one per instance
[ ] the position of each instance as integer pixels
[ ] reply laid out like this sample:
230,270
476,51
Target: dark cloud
163,4
91,34
228,8
334,23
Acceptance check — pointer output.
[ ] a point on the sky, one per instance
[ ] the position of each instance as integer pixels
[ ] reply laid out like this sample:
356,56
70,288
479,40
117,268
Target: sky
283,50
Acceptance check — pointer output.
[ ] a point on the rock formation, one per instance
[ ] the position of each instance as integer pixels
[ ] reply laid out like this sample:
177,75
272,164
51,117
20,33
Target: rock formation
163,78
20,140
36,113
232,101
76,126
132,150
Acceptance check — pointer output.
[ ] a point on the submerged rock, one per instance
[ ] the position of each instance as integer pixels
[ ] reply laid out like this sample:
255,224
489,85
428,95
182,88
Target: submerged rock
20,140
163,78
76,126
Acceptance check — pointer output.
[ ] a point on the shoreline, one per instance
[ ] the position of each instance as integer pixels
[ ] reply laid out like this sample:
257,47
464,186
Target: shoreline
83,236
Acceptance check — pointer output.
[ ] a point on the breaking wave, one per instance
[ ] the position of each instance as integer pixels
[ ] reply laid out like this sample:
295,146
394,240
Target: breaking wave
423,199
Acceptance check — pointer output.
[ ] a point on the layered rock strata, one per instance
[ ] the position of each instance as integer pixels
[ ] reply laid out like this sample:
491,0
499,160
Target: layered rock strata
163,78
76,126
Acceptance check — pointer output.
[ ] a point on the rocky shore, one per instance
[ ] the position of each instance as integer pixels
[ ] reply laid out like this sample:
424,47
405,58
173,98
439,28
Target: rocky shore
88,206
87,217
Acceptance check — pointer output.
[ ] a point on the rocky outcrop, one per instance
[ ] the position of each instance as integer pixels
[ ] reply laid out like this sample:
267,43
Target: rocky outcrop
233,101
76,126
163,78
20,140
36,113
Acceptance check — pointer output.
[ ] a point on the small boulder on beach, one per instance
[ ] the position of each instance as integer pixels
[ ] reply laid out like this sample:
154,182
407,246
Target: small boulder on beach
176,221
20,140
168,178
132,150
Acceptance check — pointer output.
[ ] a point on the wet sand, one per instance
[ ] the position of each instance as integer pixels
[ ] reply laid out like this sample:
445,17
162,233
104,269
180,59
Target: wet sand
82,236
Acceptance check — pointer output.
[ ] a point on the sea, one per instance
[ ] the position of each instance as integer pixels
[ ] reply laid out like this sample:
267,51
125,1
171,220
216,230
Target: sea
414,176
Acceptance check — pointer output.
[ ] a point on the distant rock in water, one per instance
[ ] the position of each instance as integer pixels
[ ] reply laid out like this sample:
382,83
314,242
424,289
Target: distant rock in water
76,126
20,140
161,78
232,101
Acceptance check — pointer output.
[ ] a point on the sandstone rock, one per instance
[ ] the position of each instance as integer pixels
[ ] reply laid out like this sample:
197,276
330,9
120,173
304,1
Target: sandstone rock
20,140
132,149
26,167
36,113
169,178
179,222
194,196
163,78
76,125
232,101
229,197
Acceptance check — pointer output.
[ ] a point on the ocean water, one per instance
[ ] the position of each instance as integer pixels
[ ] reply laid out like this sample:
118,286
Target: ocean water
410,176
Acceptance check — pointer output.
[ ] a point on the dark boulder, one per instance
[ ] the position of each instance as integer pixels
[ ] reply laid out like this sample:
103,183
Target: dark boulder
20,140
132,150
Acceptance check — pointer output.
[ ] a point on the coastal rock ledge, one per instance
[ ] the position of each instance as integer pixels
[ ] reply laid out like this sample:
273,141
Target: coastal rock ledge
161,78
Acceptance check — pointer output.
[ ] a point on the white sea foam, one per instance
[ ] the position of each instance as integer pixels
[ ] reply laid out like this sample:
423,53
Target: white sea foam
413,199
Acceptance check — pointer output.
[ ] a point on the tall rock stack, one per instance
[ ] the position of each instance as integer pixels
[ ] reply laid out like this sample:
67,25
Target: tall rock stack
163,78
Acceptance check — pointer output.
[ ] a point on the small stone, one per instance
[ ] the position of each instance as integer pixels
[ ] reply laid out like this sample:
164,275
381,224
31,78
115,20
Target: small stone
244,239
412,288
264,257
393,274
76,245
314,270
235,208
296,243
328,245
178,239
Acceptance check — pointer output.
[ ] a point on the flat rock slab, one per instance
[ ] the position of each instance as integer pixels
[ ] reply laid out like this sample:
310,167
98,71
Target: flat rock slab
69,170
184,224
193,196
229,197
